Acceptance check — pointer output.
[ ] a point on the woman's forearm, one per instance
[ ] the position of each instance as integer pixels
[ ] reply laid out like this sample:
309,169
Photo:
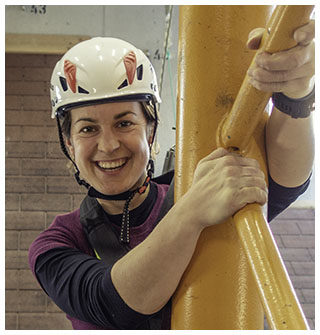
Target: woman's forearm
223,183
290,148
148,275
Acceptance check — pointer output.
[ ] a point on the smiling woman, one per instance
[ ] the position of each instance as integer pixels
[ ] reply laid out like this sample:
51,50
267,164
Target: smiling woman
115,262
111,146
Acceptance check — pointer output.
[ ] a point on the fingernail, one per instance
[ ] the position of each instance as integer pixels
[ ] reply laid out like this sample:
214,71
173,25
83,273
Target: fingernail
259,61
259,58
301,36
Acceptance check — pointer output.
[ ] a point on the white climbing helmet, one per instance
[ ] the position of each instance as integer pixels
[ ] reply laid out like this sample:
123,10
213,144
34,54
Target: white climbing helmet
99,70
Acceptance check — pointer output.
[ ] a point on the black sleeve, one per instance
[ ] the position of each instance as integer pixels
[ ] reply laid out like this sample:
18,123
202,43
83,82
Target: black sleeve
81,286
281,197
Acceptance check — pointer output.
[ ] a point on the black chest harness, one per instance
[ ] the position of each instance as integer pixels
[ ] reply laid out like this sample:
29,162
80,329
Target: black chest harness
104,240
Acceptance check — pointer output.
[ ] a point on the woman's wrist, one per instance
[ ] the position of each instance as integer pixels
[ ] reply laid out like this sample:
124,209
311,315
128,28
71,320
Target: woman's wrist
300,94
295,107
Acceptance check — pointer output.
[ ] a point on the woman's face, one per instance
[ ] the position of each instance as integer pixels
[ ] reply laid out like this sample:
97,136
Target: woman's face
110,145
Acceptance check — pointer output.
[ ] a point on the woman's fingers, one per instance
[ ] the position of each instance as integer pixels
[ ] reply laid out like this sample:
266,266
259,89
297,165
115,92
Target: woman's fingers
254,38
251,195
290,71
217,153
301,84
223,183
302,35
286,60
262,75
220,161
305,34
287,71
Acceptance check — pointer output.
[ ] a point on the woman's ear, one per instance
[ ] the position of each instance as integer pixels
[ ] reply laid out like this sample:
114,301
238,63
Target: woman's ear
150,133
69,146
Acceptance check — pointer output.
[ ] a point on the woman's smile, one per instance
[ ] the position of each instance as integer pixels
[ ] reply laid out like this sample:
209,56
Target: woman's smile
116,164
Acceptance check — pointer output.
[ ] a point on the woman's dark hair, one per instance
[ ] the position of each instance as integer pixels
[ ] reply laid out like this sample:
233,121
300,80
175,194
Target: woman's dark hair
66,125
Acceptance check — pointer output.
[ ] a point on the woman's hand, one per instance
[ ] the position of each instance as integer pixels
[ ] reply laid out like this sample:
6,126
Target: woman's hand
290,71
224,183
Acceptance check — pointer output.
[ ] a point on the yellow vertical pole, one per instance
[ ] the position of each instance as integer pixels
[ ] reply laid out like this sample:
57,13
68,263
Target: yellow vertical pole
216,293
217,290
277,295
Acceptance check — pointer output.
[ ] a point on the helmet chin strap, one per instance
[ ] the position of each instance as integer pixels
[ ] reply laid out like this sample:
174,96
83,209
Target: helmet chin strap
92,192
127,196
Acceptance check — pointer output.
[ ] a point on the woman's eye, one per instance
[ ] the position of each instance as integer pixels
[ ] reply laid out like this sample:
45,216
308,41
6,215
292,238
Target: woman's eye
125,124
86,130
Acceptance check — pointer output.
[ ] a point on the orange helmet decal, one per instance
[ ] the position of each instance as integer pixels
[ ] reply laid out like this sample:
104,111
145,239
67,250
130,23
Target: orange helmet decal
70,73
130,63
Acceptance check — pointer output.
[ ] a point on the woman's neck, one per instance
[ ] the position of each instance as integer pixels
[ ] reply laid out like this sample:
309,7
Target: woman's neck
114,207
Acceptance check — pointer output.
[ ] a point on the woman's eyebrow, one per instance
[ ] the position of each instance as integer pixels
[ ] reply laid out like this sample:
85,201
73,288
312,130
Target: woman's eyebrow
87,119
116,117
120,115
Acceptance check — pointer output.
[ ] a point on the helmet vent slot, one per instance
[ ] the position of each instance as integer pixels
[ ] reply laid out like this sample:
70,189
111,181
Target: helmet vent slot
82,90
63,83
140,72
124,84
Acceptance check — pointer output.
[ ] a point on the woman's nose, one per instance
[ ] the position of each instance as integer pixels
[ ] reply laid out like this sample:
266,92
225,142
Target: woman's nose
108,142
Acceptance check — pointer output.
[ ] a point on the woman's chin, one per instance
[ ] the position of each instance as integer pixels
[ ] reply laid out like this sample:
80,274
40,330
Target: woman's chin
113,190
118,188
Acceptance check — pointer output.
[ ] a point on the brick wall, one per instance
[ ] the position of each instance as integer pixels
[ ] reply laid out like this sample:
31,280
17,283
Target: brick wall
38,187
294,233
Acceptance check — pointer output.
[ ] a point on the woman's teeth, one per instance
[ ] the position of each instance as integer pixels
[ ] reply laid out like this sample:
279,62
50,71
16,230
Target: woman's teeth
112,165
